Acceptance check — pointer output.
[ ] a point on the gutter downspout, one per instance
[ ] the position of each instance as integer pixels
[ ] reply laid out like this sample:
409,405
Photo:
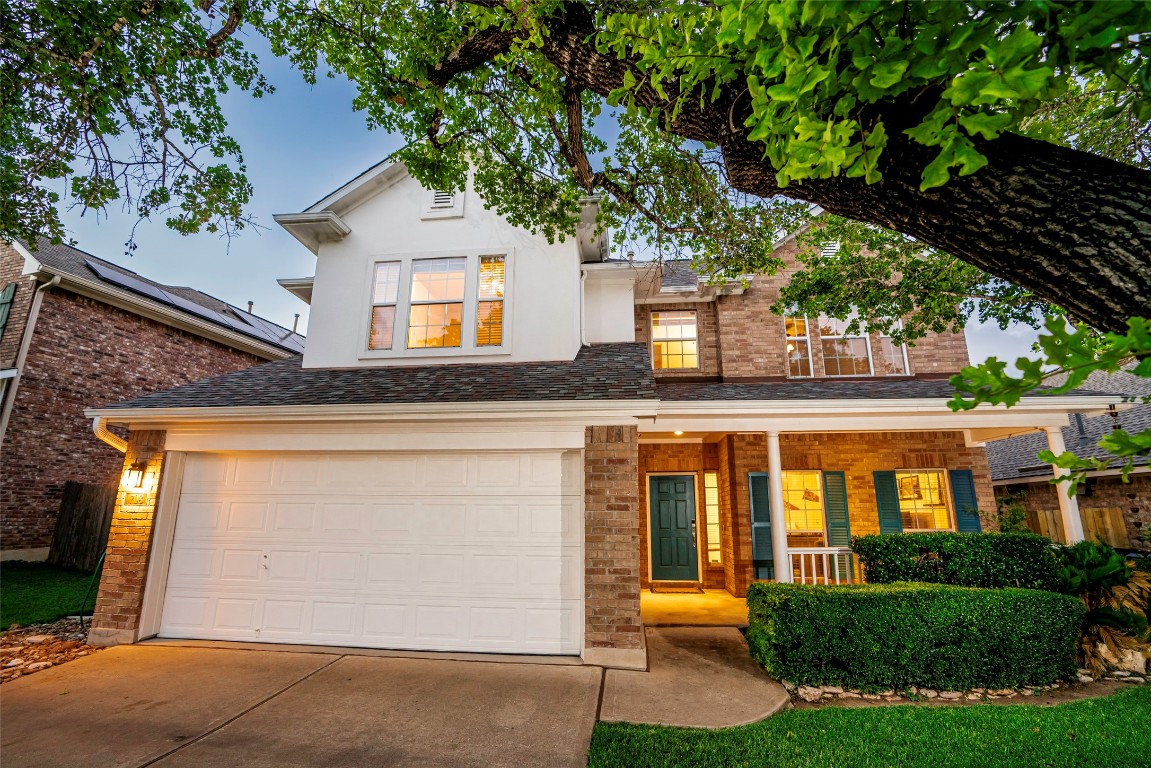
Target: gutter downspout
112,439
22,355
582,307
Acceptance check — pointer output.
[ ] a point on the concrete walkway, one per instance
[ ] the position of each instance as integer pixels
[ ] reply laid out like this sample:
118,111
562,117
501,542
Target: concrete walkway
142,705
699,677
712,608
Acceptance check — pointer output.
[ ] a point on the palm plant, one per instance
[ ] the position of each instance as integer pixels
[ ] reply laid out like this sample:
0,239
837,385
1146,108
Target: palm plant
1116,595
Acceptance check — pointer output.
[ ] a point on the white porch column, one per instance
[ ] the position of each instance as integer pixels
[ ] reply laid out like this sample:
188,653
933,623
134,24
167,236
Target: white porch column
1068,505
778,524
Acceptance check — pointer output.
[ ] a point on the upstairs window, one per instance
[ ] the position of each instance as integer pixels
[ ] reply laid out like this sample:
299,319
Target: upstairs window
923,500
490,312
674,341
892,358
385,291
436,315
798,347
6,297
843,355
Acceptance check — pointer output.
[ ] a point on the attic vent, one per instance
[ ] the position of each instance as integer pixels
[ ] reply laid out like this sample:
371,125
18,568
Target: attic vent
441,199
830,248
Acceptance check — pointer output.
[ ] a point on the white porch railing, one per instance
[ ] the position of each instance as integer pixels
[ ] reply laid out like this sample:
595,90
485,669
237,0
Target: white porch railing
824,565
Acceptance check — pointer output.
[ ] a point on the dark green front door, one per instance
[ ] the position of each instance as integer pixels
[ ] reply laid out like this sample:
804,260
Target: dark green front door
673,549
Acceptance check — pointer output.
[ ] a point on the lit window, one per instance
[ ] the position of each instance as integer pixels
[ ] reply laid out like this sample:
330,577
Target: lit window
490,312
385,290
843,355
798,347
803,501
923,504
893,358
711,514
437,302
673,340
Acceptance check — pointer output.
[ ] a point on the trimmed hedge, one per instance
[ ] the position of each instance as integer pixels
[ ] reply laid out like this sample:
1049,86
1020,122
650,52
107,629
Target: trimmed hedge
893,636
963,559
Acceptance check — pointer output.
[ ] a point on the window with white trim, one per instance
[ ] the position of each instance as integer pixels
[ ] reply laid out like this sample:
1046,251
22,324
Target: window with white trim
798,346
436,311
385,292
711,516
674,340
892,357
843,354
924,500
490,307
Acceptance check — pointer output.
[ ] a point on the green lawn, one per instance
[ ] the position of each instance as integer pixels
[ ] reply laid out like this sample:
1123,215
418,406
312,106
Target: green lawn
1111,731
34,593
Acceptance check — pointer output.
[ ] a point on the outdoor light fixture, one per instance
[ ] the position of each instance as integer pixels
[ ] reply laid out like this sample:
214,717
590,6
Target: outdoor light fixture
134,477
679,433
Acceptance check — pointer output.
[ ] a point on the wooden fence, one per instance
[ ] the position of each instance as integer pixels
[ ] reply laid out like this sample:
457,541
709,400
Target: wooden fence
82,525
1104,523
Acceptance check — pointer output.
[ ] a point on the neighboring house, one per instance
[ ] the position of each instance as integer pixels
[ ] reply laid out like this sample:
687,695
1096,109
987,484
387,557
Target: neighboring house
495,443
1112,510
75,330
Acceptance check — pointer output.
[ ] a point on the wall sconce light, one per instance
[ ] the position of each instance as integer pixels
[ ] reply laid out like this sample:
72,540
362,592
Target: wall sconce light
134,477
679,433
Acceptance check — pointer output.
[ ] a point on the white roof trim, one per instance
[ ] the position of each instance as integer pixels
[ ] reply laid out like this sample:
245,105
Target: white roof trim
300,287
311,229
360,188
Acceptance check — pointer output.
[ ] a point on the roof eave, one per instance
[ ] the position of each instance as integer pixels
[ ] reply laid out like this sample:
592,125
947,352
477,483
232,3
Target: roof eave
314,228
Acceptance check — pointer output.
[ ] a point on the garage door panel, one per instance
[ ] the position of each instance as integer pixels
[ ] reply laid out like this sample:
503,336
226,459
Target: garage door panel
410,551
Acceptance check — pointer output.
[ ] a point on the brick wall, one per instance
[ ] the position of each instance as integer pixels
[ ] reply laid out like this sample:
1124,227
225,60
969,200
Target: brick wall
751,341
11,269
689,459
118,602
612,539
858,455
84,354
1133,499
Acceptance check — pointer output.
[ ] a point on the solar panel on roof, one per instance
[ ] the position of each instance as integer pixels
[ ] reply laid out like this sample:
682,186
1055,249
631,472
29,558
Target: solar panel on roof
240,321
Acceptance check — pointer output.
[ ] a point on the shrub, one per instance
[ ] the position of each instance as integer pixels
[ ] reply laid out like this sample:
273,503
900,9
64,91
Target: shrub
1012,512
963,559
893,636
1116,596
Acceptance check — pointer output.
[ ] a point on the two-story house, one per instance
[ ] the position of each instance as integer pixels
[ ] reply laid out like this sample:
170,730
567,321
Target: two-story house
495,443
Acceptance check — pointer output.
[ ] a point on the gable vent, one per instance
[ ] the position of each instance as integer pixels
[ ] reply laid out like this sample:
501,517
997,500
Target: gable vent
441,199
830,248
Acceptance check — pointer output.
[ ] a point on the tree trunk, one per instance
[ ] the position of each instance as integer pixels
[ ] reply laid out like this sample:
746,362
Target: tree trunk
1072,227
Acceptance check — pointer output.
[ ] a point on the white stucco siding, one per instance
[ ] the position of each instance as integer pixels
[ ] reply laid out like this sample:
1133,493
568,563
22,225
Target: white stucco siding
542,310
609,303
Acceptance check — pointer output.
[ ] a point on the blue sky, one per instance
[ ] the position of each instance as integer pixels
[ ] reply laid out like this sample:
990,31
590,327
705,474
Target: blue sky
300,143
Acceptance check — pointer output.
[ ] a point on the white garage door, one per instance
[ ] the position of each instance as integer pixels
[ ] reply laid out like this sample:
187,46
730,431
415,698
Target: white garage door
430,551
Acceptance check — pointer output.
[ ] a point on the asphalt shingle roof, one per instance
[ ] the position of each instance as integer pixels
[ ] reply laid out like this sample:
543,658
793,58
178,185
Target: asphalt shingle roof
678,273
1015,457
599,372
73,261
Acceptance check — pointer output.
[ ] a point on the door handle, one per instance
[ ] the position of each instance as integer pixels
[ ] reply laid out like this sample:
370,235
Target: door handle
694,537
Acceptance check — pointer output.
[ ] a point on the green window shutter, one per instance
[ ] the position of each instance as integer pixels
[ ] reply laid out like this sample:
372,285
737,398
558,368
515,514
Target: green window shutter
835,507
887,500
6,297
966,505
761,550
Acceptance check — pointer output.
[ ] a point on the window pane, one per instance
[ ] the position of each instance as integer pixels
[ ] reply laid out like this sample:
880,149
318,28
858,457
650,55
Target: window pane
803,501
491,277
383,323
711,510
387,283
845,357
923,500
796,327
892,362
435,325
490,324
438,279
798,358
674,342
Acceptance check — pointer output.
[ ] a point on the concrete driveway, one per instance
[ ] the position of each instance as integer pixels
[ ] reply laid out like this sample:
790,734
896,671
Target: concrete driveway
152,705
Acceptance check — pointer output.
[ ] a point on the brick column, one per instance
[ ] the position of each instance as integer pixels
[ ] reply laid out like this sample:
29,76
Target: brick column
117,616
613,629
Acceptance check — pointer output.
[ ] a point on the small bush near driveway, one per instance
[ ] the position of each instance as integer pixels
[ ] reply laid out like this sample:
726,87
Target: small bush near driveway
962,559
1103,732
894,636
